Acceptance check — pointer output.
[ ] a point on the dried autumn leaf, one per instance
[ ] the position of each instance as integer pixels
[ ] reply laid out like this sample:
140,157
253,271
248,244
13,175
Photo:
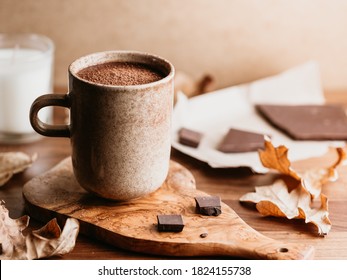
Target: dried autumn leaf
45,242
191,86
277,159
276,200
10,234
12,163
294,199
50,241
314,179
317,216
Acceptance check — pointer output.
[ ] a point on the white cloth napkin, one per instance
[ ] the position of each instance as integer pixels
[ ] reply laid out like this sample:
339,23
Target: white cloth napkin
213,114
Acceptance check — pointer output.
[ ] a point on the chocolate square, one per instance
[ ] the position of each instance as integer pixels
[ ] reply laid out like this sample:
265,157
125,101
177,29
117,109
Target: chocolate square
189,137
208,205
307,122
170,223
240,141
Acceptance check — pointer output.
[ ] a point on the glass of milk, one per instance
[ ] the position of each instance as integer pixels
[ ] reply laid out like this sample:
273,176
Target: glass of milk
26,72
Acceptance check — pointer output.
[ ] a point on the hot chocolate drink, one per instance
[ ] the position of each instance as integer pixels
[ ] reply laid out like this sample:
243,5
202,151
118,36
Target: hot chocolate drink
120,74
120,106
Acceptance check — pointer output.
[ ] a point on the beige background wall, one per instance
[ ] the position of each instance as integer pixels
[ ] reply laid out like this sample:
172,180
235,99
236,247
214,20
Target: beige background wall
236,41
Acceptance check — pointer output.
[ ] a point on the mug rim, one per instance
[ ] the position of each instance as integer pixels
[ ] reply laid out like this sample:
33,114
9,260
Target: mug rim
104,54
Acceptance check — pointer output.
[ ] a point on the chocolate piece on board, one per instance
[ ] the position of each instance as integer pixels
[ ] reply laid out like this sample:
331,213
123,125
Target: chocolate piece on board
189,137
170,223
240,141
208,205
307,122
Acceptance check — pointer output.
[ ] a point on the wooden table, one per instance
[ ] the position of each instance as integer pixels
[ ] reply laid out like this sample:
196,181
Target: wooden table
229,184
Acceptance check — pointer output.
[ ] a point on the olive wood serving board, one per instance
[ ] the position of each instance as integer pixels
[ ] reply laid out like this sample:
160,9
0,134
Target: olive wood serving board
132,225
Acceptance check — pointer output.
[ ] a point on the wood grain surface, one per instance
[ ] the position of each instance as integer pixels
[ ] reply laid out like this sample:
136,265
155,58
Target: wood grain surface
132,224
228,183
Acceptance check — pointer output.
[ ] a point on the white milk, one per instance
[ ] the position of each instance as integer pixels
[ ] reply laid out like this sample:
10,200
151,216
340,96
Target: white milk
24,75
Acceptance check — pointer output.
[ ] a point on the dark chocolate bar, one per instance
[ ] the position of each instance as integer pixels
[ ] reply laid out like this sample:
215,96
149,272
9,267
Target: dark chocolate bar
240,141
170,223
307,122
189,137
208,205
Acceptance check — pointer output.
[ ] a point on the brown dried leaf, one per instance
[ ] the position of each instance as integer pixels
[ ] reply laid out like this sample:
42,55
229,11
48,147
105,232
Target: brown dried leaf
50,241
11,233
276,200
317,216
294,199
12,163
45,242
191,86
315,179
277,159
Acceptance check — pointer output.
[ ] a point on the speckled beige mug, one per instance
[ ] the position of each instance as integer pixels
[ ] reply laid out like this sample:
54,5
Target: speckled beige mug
120,135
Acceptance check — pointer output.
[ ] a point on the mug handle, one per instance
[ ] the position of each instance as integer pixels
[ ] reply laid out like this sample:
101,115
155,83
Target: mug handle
42,128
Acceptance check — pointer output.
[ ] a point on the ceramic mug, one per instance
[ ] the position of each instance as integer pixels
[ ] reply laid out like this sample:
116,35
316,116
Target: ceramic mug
120,135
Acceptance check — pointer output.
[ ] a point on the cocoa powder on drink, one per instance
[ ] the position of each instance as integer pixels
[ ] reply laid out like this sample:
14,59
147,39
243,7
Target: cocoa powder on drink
120,74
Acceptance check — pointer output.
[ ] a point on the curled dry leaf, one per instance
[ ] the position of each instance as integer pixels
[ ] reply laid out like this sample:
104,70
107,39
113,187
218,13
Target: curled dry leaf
277,159
294,198
314,179
192,87
45,242
276,200
12,163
